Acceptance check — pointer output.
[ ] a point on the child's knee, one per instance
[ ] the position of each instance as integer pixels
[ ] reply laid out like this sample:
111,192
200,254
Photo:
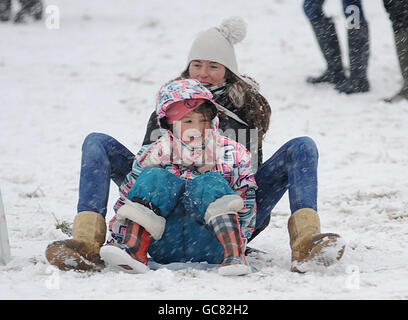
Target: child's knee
205,180
155,173
207,188
203,191
159,187
158,178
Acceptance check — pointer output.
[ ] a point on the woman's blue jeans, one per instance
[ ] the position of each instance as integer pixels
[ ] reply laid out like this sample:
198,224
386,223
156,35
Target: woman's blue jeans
292,168
314,11
103,159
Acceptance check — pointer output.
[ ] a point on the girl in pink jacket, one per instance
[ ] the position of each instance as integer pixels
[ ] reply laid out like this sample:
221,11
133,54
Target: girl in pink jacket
191,194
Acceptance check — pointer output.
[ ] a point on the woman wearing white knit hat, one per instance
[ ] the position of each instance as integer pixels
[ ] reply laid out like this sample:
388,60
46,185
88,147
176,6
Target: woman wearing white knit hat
244,116
217,44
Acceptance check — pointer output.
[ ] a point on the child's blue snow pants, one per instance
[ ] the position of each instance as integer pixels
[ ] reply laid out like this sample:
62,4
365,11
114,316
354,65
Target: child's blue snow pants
183,203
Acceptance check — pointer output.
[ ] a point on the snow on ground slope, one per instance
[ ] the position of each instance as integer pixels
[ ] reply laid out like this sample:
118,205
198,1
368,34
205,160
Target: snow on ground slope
100,72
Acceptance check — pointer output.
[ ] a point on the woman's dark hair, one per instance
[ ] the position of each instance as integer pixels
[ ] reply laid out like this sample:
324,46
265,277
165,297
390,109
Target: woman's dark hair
242,94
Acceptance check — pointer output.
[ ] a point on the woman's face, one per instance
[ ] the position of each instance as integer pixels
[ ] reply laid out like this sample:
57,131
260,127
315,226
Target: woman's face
191,129
209,73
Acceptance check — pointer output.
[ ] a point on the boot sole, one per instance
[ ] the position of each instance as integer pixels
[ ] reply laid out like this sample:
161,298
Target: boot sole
119,259
65,258
324,254
234,270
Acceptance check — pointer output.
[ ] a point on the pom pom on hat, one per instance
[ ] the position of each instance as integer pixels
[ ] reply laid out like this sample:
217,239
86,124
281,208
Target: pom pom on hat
217,43
233,29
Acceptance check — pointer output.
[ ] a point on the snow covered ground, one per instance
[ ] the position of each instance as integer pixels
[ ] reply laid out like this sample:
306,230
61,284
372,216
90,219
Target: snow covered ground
100,72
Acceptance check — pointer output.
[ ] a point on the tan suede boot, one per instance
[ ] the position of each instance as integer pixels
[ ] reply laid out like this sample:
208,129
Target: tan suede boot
308,244
81,252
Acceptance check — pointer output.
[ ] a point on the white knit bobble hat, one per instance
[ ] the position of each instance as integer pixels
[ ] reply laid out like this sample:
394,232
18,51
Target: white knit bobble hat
217,44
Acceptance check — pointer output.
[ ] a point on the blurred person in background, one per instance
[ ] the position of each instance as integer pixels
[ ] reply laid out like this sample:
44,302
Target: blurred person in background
29,9
358,46
398,14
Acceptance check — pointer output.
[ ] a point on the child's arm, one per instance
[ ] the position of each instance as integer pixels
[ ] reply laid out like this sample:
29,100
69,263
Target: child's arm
130,178
245,186
156,154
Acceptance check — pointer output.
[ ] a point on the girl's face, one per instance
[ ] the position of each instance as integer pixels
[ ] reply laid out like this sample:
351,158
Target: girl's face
191,128
209,73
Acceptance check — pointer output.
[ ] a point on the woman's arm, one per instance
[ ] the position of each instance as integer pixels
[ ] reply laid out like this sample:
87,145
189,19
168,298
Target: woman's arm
130,179
152,130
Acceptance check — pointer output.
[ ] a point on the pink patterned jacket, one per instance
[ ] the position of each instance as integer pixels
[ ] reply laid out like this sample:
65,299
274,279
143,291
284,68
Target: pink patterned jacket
233,162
